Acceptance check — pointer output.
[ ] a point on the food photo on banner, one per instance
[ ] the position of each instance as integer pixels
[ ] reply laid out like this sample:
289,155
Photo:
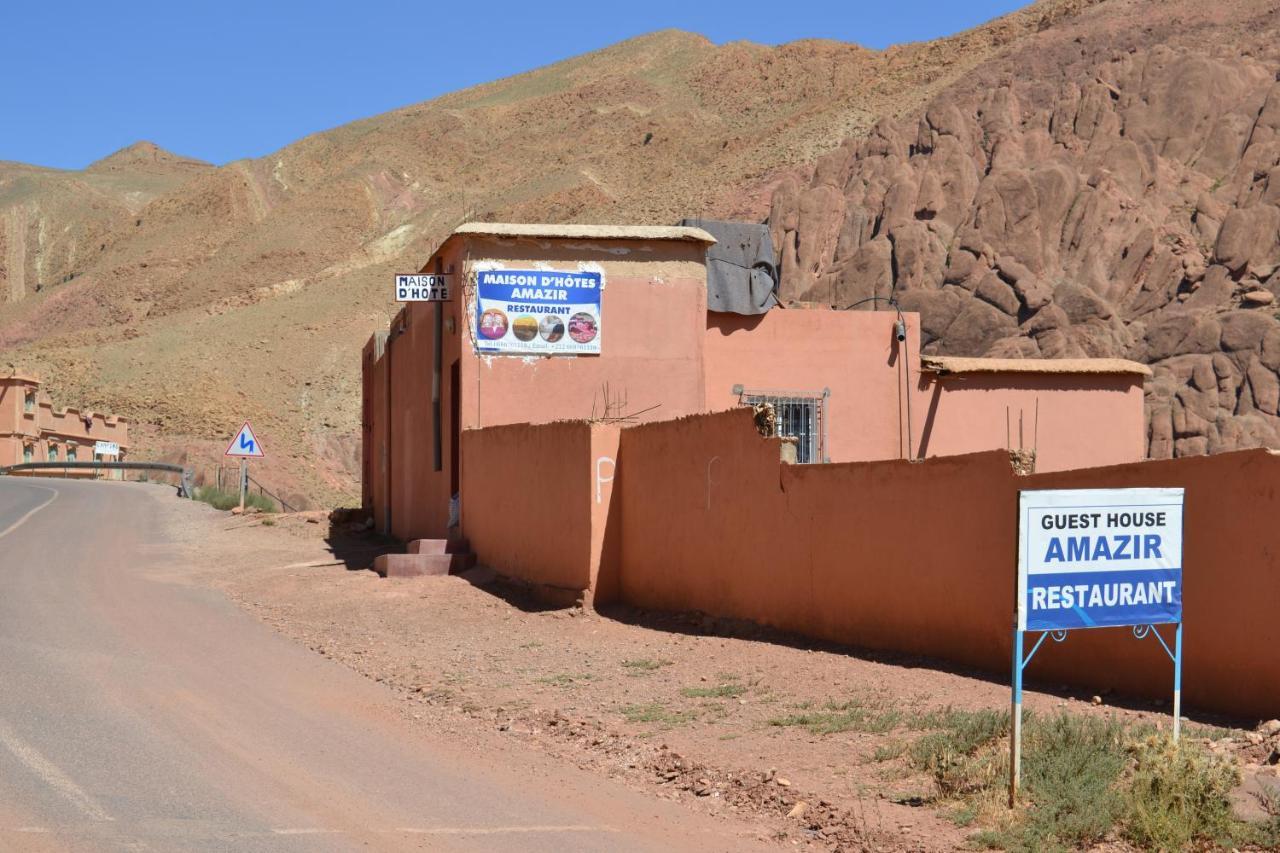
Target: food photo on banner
538,312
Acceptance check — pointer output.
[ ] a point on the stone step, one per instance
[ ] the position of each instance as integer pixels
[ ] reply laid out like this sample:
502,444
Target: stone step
439,546
419,565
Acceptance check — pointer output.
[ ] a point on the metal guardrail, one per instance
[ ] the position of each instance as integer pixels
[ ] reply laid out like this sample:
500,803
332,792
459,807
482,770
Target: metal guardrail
186,477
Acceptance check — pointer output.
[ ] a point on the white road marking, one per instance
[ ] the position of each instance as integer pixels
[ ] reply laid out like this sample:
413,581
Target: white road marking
12,527
50,774
499,830
305,831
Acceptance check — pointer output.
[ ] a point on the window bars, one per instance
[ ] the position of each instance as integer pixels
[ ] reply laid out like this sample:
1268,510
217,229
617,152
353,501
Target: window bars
800,415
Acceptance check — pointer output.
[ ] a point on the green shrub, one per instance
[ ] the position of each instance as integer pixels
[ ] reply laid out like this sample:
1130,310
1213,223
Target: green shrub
1069,773
958,755
720,691
1179,793
225,500
853,715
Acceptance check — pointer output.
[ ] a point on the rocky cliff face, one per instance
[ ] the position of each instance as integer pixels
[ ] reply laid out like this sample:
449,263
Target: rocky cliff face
1132,209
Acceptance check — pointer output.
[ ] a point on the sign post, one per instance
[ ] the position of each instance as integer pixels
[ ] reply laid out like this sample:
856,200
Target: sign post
1095,558
245,446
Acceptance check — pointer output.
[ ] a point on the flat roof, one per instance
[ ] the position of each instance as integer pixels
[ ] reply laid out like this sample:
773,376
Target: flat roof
957,364
585,232
20,377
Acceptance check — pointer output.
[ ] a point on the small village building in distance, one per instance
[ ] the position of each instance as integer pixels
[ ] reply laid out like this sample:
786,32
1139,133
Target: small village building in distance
32,429
630,324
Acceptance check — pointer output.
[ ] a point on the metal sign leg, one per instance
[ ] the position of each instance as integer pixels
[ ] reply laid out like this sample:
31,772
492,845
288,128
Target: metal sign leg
1177,683
1015,722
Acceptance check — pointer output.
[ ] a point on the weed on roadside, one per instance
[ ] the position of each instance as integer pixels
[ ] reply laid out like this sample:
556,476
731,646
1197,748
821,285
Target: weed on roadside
644,666
720,691
564,679
225,500
1178,793
655,712
834,717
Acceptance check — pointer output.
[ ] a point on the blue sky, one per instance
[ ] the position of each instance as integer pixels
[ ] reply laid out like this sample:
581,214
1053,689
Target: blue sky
220,81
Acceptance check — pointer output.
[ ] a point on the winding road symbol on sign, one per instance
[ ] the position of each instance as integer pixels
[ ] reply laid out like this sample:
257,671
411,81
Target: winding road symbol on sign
245,444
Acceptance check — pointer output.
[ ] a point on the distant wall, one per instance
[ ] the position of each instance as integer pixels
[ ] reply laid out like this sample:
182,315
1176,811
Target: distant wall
852,353
1073,420
879,395
919,558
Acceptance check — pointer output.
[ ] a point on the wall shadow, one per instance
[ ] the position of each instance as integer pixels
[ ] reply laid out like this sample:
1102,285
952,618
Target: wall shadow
702,625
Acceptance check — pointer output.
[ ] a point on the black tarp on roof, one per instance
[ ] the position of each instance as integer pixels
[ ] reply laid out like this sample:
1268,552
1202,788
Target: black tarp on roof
742,276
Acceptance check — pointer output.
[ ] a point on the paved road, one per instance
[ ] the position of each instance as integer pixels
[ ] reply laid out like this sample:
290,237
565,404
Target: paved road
141,712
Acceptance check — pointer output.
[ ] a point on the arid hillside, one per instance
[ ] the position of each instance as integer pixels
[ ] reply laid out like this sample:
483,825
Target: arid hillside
1109,187
188,297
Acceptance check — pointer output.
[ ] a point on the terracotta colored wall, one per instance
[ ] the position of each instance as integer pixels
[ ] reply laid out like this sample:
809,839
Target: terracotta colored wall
853,353
653,312
919,557
654,308
538,499
373,434
1073,420
1083,420
419,493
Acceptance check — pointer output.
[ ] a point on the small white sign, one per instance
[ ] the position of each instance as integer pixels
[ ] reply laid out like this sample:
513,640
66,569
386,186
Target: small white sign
422,288
245,444
106,448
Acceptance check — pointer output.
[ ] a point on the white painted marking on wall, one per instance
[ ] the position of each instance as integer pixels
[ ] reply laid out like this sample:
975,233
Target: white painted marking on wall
500,830
50,774
712,461
601,479
53,496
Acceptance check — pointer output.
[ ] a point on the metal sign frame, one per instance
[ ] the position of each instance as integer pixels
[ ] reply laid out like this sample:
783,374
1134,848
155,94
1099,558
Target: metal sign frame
1139,498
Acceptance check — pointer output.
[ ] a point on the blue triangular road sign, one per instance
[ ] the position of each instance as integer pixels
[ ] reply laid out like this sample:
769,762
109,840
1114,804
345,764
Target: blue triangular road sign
245,443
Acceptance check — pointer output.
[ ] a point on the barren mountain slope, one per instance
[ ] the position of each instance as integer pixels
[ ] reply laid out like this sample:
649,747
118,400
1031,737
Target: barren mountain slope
1109,188
247,290
54,224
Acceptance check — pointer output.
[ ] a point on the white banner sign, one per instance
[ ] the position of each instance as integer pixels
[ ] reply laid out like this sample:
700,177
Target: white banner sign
1092,558
538,312
106,448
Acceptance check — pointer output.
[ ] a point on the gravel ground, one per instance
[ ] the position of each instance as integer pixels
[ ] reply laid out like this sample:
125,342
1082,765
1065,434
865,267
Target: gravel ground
690,709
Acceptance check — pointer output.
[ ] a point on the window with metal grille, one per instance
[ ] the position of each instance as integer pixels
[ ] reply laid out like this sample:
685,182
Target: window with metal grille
800,415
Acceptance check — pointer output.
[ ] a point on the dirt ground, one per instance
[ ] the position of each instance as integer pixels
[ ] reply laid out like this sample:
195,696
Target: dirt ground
723,718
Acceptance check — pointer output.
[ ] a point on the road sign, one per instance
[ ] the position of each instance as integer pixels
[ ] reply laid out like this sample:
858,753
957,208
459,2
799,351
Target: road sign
106,448
245,444
422,288
1096,558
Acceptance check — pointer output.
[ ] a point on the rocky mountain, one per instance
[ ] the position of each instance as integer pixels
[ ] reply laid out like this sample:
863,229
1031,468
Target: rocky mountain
1111,187
189,297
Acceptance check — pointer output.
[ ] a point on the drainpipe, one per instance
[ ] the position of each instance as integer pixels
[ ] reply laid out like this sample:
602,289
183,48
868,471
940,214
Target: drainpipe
386,445
437,355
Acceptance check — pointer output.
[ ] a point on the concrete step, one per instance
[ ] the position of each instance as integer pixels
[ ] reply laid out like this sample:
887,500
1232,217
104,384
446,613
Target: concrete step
419,565
439,546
